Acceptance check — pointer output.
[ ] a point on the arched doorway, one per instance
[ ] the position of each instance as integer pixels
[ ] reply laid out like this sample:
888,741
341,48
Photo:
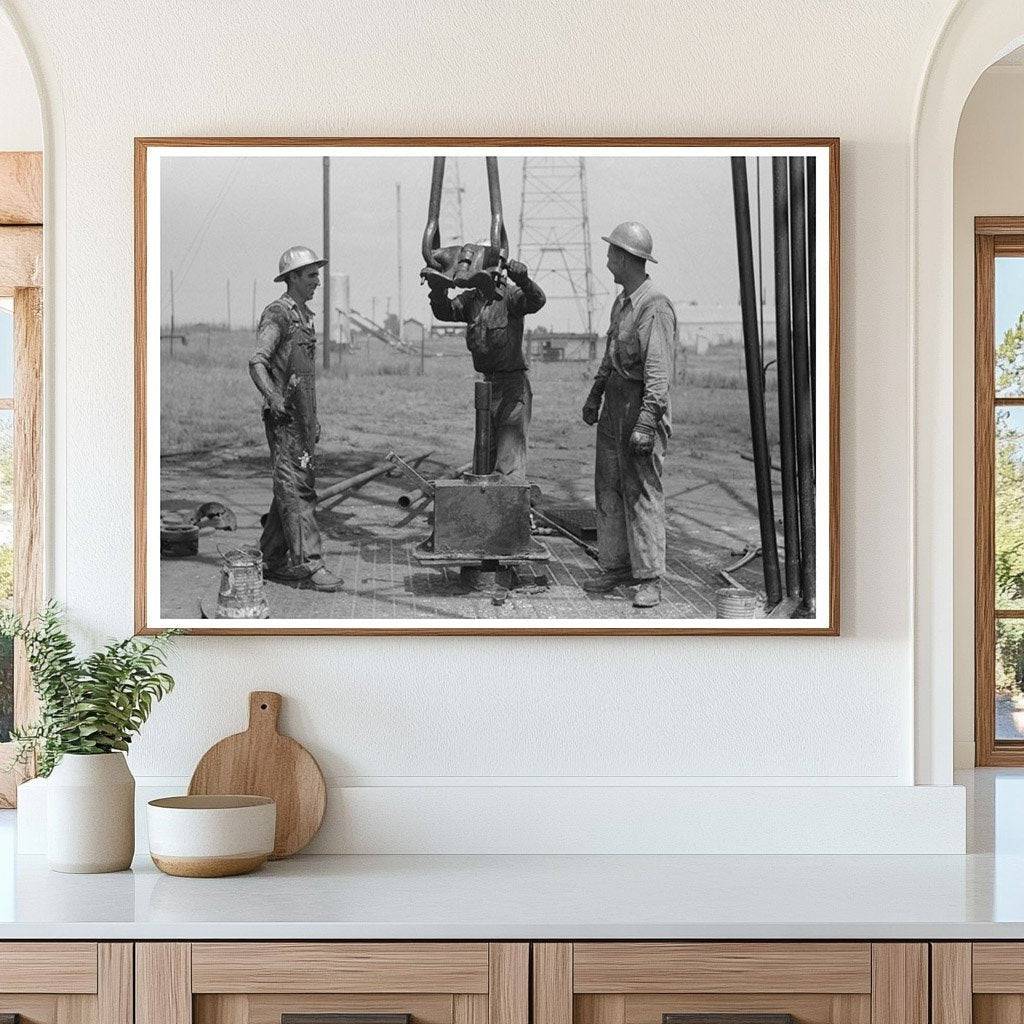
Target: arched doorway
976,34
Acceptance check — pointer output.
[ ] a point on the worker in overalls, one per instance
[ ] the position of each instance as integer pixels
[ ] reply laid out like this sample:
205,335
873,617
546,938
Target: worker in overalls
494,336
629,402
283,368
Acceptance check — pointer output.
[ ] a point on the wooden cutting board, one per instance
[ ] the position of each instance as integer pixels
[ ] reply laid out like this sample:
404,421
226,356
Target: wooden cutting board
262,762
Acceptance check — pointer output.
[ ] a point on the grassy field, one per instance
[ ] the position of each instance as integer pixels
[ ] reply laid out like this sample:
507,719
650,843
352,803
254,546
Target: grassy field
376,398
214,448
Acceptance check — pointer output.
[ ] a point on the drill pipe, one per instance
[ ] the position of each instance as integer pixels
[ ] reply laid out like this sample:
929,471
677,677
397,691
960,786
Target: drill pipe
337,492
482,439
755,382
410,498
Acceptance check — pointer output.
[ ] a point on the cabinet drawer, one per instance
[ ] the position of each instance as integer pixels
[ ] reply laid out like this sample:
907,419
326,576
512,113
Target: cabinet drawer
748,982
630,967
48,967
340,967
66,982
261,982
980,982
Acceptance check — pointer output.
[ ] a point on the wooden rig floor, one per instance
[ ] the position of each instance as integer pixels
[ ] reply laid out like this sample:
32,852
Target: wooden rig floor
371,544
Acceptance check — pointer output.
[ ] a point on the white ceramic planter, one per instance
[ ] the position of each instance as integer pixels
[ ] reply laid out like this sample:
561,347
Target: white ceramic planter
90,814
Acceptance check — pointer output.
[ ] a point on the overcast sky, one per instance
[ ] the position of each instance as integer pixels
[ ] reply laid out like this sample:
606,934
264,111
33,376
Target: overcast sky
230,217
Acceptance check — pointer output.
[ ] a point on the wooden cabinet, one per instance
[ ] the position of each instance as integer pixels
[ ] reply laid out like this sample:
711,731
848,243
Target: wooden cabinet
979,982
66,982
815,982
259,982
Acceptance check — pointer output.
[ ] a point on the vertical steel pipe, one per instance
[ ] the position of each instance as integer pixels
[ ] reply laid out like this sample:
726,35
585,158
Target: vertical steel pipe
482,435
802,382
755,383
784,366
812,275
327,268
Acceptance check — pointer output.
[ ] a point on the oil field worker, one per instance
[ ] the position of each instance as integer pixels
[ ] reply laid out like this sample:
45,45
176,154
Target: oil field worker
629,402
494,336
283,369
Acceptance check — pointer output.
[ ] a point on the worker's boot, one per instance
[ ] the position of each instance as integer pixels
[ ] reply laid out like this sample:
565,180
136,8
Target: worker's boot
323,580
607,581
648,594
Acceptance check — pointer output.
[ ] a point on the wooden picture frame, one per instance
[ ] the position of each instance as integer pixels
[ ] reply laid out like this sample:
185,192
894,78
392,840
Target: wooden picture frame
151,154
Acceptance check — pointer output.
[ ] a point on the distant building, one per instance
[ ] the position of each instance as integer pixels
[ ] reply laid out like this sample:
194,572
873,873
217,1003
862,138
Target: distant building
413,331
703,326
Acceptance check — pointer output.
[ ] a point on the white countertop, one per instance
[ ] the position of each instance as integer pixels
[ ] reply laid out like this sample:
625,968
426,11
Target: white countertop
977,896
532,897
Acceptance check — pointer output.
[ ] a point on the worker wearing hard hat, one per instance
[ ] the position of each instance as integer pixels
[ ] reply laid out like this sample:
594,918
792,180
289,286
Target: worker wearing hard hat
494,337
283,368
629,402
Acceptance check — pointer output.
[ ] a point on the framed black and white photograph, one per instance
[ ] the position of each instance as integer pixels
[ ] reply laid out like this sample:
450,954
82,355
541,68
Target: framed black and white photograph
487,386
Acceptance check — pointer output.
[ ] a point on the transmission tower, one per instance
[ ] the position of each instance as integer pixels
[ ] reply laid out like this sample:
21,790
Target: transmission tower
452,231
554,235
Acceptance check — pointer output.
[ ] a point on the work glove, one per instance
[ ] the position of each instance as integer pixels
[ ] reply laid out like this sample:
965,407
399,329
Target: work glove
592,406
641,441
518,272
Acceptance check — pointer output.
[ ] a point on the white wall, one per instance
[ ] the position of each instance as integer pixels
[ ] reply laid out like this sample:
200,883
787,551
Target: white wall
450,712
988,181
21,125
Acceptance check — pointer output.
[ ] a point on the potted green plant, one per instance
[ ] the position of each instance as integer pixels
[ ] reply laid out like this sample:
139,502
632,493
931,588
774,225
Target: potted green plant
89,710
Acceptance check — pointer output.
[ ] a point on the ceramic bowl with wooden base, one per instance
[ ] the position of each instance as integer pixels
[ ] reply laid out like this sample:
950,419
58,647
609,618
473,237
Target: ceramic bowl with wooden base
211,836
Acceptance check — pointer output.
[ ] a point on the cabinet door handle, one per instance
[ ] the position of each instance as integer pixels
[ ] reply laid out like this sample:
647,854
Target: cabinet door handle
728,1018
337,1018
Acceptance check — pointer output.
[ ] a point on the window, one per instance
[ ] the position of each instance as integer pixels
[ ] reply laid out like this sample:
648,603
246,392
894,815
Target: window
999,490
21,350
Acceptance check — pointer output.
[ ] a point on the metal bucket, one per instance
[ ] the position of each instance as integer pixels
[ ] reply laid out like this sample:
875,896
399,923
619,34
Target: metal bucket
241,594
179,538
735,603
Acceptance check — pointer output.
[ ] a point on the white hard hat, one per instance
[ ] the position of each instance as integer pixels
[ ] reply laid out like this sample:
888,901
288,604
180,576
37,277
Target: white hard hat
295,258
634,238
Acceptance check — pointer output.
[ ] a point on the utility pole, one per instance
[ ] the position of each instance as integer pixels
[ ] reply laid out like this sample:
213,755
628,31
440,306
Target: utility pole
229,305
172,315
398,221
327,269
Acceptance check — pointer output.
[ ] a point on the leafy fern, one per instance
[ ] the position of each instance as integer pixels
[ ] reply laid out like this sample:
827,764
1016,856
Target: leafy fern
91,705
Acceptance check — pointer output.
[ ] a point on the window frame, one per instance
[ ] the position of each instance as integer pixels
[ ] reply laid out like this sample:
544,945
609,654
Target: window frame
993,237
21,261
